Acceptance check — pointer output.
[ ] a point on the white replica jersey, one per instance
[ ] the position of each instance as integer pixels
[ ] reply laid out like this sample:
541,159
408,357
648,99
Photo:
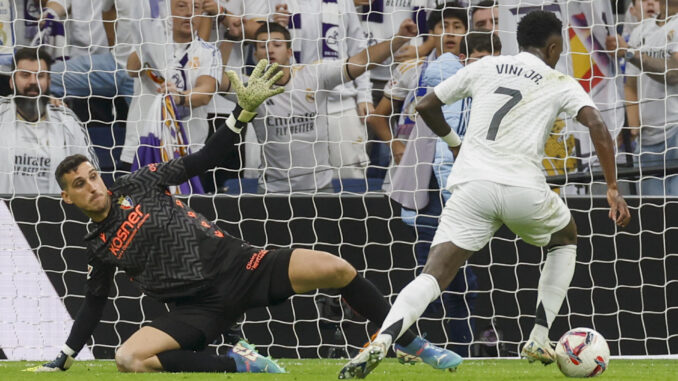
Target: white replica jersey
31,151
659,105
293,129
127,26
516,100
85,32
188,62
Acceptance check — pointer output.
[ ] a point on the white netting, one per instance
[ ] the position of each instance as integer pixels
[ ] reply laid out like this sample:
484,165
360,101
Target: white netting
312,140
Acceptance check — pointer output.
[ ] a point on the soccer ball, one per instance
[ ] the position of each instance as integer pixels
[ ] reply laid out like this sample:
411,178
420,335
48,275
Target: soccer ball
582,352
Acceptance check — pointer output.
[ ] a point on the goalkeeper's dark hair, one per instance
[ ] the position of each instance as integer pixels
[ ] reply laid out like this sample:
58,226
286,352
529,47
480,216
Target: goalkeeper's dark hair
69,164
271,27
479,41
536,28
31,54
450,9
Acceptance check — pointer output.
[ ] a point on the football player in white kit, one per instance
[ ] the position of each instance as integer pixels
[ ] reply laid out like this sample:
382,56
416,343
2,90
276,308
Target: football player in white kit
498,179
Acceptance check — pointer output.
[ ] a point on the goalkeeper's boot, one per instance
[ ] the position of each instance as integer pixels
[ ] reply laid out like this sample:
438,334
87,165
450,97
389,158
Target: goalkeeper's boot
421,349
535,351
247,359
61,363
365,362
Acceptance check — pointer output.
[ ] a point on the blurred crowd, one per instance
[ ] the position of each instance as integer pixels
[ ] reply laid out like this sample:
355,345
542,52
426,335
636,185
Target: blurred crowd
131,82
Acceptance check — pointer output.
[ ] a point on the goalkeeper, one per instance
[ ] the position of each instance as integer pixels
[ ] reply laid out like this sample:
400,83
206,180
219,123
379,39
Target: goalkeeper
175,255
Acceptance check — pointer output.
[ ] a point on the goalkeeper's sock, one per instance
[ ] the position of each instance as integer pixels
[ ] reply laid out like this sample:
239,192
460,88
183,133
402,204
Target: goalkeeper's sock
410,304
189,361
553,284
366,299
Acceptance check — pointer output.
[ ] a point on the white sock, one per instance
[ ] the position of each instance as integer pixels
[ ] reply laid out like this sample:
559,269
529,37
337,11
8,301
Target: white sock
553,284
408,307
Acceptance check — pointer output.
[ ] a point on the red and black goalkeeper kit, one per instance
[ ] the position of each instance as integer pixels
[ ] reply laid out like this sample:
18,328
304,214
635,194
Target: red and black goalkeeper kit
175,255
167,248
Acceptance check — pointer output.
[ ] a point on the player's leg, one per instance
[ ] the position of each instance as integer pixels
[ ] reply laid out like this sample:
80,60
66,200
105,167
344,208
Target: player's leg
541,218
153,350
174,343
443,263
554,282
469,220
310,270
139,352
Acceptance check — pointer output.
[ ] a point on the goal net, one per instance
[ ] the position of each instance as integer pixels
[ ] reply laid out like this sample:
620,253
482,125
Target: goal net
316,169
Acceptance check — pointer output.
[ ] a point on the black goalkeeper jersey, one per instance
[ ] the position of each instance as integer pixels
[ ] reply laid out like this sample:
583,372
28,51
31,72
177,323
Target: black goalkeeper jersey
168,249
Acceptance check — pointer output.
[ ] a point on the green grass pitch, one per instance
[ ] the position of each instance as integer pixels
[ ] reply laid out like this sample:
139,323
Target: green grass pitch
390,369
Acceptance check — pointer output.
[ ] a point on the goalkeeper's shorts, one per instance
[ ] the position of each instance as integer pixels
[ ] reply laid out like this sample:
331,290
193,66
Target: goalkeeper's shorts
255,278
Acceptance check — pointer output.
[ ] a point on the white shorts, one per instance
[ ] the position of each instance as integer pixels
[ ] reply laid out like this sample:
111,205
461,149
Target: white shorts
477,209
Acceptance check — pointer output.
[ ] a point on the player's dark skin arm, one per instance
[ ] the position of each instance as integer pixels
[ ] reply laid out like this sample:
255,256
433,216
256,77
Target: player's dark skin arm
591,118
430,108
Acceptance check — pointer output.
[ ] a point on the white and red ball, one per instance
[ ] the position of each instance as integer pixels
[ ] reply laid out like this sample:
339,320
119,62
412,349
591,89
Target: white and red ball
582,352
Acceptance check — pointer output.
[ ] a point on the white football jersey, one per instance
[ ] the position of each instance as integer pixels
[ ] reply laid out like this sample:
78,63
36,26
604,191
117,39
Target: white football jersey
293,129
85,34
659,105
516,99
188,62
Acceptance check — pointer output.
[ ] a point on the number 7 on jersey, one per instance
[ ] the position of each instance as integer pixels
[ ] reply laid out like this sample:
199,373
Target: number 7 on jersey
516,96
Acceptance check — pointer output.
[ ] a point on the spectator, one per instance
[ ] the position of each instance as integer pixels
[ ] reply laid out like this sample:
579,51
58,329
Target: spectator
224,27
18,27
293,126
36,135
90,67
448,24
485,16
328,31
652,48
380,21
187,68
637,12
643,14
420,185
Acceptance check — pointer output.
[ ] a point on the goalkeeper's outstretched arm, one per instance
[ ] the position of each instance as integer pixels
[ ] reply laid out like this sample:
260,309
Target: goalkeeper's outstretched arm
85,322
224,140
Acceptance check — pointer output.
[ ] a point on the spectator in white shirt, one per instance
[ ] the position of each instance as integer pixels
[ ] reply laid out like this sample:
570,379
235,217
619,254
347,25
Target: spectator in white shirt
91,68
36,135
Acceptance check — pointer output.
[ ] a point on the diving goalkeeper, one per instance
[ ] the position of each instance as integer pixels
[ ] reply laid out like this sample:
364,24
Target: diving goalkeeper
208,277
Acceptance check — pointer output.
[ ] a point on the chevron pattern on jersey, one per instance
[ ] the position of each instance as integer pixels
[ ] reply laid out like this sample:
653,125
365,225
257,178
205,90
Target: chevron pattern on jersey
151,235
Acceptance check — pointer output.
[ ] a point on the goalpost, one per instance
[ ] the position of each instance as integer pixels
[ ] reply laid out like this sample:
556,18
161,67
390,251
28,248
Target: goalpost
625,284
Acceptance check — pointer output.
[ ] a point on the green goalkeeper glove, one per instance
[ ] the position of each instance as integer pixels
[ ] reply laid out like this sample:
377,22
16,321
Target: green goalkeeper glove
60,363
259,88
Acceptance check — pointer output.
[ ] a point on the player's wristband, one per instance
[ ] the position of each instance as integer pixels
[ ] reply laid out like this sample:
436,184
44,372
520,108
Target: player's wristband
239,119
452,139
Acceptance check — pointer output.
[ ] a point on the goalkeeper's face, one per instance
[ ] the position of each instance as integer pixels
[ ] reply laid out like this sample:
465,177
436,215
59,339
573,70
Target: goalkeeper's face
85,189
